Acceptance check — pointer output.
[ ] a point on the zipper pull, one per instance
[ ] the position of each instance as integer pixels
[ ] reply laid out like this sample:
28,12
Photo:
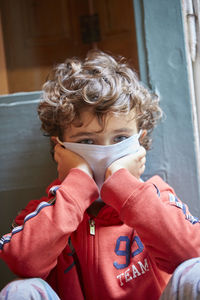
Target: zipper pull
92,227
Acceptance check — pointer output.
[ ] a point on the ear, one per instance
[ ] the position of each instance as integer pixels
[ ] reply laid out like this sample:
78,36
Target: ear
56,140
143,134
59,141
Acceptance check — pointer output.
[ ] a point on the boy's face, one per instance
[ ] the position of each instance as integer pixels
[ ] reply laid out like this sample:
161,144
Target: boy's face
116,129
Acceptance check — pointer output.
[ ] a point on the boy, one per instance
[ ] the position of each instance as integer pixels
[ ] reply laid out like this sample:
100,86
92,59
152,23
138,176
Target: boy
102,233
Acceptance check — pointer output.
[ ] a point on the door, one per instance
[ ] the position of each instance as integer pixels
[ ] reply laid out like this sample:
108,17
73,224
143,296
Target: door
40,33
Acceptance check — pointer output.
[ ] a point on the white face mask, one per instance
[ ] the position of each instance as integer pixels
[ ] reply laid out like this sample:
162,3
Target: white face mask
100,157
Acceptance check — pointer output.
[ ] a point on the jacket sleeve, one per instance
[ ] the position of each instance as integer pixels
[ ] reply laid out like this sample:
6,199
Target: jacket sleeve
169,232
32,249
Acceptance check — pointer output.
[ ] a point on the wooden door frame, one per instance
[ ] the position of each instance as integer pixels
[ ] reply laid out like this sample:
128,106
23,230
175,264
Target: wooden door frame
3,70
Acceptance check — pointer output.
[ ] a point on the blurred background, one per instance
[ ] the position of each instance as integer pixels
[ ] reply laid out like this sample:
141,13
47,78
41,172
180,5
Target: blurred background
38,34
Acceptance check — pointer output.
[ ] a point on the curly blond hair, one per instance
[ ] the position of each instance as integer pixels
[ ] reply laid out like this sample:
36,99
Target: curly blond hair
99,82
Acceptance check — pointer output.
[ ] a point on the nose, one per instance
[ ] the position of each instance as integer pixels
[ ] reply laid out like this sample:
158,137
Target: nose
104,141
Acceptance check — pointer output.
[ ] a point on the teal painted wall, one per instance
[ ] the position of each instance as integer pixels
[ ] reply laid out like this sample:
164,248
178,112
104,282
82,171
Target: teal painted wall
26,166
163,67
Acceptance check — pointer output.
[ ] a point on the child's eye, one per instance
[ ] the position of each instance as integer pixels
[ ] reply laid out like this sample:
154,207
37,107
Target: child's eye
120,138
86,141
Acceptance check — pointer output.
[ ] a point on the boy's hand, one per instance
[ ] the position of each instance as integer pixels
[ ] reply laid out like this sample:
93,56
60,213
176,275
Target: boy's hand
134,163
67,160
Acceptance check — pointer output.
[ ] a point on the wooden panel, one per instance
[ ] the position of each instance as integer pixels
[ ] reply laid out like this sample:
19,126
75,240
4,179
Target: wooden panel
117,18
43,33
118,28
45,26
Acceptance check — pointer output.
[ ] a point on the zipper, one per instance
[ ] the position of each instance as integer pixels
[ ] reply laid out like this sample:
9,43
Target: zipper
92,226
91,262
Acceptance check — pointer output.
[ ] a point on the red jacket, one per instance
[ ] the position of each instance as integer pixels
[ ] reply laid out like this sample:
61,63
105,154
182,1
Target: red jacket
141,235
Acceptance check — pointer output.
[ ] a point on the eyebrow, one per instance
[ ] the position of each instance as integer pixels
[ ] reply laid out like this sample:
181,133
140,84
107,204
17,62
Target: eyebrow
82,133
86,133
120,130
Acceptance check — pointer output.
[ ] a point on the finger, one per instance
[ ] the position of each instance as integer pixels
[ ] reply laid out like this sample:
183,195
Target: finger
143,160
141,170
141,153
57,150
